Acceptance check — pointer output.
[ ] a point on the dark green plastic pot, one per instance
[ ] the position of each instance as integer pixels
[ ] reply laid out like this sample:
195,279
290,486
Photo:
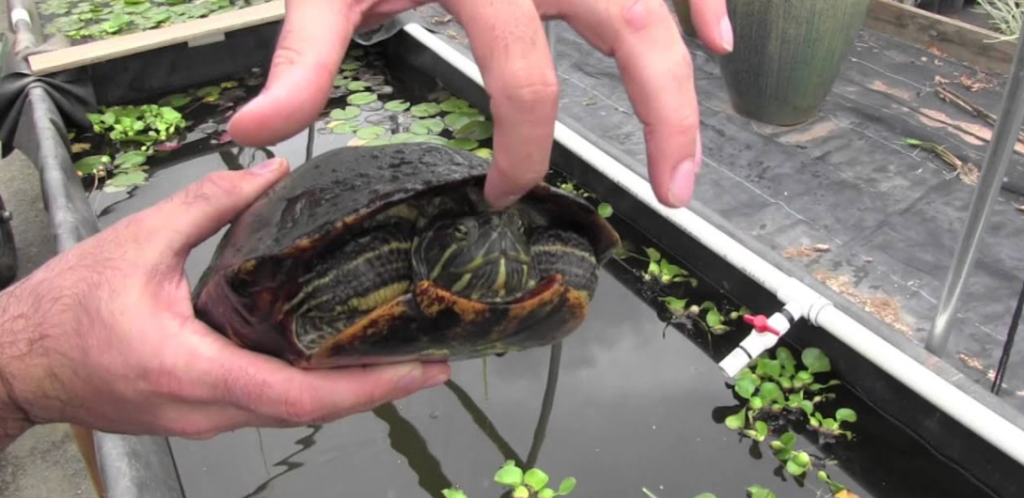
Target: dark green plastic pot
787,55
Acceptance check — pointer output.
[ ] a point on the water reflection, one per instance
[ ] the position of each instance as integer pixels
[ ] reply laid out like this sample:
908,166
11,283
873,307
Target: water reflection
305,443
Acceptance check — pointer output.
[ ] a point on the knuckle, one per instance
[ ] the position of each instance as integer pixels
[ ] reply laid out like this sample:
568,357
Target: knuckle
300,406
221,183
640,15
528,94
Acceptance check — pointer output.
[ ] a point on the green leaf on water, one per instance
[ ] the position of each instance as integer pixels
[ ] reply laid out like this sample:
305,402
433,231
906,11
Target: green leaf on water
175,100
793,468
652,254
817,387
90,164
434,139
453,104
123,181
475,130
706,495
713,318
745,387
757,491
762,428
343,127
357,86
484,152
397,105
737,420
361,98
130,160
351,65
453,493
370,132
674,304
815,360
566,486
807,406
546,493
399,138
425,109
786,360
846,415
605,210
348,112
509,475
464,143
768,368
770,391
457,120
535,478
427,126
340,81
208,91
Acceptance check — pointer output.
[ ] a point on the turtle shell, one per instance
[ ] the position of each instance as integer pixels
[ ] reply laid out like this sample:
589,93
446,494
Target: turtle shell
321,204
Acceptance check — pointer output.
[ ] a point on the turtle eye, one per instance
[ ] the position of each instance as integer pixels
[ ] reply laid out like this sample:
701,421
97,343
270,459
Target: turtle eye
461,231
517,221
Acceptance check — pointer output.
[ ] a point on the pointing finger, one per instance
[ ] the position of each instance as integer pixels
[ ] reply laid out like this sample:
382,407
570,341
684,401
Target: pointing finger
314,37
659,83
509,44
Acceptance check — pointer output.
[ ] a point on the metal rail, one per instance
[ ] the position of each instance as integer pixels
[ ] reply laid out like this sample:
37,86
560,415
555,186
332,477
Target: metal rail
1004,138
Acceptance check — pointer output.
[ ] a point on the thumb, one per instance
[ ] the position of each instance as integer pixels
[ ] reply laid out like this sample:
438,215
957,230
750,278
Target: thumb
194,214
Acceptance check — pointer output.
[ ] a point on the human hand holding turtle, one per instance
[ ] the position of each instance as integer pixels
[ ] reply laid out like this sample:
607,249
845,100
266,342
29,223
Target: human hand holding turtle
104,336
508,42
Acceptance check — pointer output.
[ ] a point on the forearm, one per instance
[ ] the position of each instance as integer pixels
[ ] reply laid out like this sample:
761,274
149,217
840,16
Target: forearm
14,420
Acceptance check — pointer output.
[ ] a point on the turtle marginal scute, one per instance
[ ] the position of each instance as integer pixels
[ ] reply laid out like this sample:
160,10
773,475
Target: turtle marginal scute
375,325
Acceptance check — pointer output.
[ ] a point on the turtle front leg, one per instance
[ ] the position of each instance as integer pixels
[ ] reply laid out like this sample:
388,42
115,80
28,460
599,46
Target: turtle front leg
368,272
566,253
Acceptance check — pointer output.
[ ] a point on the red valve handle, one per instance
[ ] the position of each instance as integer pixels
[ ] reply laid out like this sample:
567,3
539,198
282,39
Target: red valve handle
760,323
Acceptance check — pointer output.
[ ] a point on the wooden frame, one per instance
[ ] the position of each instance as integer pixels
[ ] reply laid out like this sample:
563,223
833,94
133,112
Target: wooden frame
199,32
972,45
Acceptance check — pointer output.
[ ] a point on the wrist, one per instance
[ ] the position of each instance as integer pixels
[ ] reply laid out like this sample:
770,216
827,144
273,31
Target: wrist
14,419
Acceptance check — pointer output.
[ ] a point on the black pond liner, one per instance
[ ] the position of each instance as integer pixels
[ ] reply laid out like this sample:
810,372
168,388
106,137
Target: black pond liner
898,465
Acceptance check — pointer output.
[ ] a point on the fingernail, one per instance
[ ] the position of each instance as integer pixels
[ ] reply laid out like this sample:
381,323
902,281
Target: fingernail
726,28
267,166
682,183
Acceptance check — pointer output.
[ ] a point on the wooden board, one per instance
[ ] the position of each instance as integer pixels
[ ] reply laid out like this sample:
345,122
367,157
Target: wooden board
969,44
209,28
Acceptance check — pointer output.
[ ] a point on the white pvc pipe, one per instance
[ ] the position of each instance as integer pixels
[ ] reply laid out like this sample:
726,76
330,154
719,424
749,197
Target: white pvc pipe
987,424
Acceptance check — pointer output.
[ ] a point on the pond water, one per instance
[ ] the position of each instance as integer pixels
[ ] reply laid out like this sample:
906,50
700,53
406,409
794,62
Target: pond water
622,405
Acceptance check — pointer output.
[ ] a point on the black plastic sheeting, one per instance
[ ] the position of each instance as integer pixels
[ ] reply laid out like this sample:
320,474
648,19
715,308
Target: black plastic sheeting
892,215
69,91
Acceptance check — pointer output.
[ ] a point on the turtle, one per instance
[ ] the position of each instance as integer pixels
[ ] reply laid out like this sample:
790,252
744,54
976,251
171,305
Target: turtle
379,254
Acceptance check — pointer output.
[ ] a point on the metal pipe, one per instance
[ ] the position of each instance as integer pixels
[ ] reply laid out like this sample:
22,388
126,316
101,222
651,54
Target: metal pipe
1004,138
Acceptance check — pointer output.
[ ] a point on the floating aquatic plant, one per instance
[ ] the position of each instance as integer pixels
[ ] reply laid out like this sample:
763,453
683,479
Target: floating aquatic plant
532,483
100,19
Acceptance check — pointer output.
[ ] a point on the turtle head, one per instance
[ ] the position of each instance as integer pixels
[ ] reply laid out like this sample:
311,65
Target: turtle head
484,257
